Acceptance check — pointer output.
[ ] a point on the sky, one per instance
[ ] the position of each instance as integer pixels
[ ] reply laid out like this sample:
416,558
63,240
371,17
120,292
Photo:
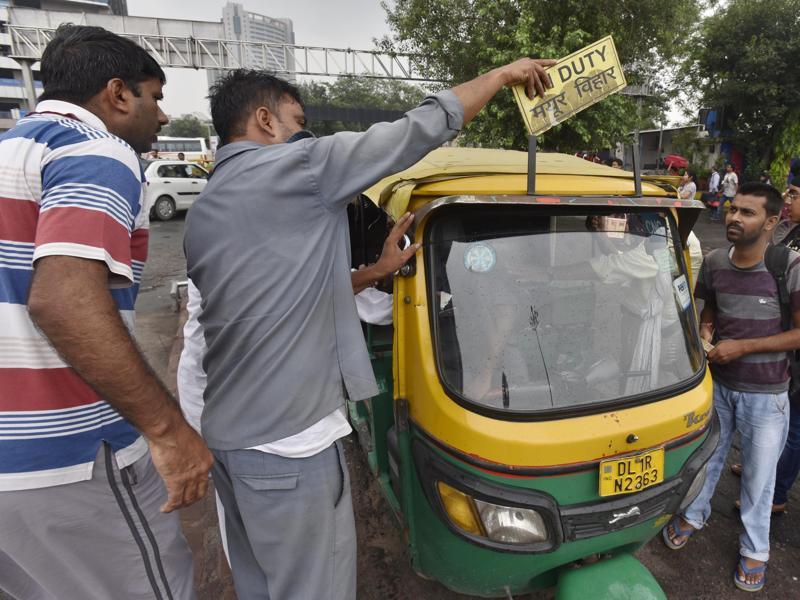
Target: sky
332,23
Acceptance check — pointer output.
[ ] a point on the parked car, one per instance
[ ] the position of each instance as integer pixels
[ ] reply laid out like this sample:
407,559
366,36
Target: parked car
172,185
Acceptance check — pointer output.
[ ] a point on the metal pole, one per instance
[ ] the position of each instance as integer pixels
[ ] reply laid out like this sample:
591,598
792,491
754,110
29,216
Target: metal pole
531,165
637,172
27,82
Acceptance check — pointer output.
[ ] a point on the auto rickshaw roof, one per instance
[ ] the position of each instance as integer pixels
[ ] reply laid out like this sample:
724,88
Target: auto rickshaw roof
480,171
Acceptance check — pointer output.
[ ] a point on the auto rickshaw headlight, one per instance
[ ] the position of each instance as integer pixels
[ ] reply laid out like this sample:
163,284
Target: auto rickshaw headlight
459,508
510,524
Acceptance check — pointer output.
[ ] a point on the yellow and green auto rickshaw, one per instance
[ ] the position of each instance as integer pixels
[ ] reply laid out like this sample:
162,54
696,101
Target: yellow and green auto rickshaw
544,403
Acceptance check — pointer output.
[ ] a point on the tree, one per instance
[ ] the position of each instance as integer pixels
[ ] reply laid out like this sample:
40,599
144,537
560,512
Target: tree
186,126
459,39
744,61
358,92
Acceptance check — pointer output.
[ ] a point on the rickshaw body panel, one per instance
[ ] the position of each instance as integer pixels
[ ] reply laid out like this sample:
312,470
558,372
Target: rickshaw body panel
555,457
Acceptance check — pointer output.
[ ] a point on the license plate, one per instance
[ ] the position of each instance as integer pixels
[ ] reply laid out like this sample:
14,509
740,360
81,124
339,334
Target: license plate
632,473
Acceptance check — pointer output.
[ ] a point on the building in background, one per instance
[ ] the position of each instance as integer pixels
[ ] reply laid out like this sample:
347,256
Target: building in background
13,101
242,25
111,7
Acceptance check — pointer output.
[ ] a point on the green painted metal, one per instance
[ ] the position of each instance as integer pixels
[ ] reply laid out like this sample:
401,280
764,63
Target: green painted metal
469,568
621,577
439,553
373,418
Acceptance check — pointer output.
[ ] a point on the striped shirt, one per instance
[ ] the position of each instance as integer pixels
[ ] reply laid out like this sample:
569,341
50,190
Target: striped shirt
68,187
748,307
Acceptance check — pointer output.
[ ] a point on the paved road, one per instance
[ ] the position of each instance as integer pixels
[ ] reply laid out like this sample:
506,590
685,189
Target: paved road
702,570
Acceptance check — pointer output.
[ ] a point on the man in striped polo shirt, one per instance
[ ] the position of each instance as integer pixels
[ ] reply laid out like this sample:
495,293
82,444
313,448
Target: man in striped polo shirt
742,317
82,506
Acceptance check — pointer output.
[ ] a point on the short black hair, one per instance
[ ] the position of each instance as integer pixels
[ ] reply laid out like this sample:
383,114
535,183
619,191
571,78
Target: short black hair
795,181
235,95
774,202
79,61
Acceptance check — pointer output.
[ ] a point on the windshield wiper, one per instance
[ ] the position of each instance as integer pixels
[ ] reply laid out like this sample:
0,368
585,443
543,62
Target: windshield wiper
504,388
535,325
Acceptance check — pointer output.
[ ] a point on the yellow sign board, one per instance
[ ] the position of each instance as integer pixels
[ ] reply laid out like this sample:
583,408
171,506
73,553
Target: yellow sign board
579,80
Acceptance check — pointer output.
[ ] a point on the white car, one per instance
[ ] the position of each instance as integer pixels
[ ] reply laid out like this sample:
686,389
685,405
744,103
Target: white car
172,185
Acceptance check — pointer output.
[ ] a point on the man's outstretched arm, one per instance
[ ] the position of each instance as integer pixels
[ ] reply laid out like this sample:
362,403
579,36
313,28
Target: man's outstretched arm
70,302
475,94
346,163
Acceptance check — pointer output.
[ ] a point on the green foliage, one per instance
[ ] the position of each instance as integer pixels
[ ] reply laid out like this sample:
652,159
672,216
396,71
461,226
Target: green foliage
186,126
745,60
787,148
686,143
358,92
458,40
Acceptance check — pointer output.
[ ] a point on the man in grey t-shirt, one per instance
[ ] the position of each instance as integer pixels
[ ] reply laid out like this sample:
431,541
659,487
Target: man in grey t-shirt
267,246
749,365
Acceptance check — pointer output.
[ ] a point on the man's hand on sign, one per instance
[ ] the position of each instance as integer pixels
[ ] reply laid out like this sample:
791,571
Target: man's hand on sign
531,72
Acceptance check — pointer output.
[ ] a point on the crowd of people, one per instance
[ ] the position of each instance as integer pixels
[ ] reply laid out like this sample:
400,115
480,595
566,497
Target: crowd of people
96,454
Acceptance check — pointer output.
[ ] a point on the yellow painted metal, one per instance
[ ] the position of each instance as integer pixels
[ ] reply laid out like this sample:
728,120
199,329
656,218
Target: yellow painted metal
447,171
525,444
459,171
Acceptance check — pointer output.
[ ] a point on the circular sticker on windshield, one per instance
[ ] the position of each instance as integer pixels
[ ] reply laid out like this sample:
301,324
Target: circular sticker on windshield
480,258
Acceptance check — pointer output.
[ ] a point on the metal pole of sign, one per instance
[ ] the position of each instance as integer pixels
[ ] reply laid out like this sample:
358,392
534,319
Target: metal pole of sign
531,165
637,171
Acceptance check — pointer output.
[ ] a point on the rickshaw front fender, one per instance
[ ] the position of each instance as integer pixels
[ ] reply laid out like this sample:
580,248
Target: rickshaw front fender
621,577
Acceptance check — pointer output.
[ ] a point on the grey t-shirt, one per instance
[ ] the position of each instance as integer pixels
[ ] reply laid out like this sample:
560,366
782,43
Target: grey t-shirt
748,307
267,245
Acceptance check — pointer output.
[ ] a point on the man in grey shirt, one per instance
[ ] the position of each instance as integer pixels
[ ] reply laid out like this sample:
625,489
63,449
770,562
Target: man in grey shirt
267,246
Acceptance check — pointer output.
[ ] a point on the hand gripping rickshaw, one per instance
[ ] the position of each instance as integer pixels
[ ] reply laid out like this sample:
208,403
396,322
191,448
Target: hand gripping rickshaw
544,402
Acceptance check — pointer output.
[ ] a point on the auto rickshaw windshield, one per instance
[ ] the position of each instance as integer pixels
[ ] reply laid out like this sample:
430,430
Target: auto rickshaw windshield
534,312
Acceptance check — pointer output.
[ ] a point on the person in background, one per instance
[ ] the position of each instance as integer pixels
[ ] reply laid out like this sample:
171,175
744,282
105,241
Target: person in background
688,187
794,171
714,180
729,186
695,256
713,199
765,178
181,156
616,163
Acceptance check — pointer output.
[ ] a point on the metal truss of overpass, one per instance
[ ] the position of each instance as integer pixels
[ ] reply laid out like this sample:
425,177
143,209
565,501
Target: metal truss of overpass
27,44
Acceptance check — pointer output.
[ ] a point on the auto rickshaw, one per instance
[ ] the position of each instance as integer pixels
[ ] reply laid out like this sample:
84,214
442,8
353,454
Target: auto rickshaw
544,402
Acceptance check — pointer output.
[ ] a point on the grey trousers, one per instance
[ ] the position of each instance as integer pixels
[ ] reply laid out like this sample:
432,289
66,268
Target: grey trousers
99,539
289,524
